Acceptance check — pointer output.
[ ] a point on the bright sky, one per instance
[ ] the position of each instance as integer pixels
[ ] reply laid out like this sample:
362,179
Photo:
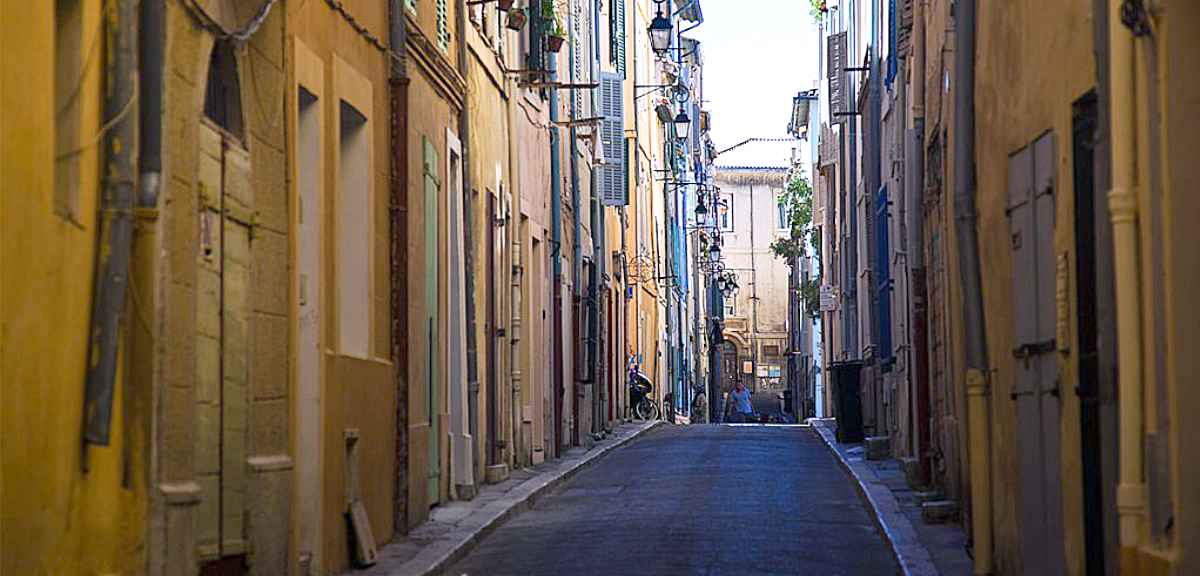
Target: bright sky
757,55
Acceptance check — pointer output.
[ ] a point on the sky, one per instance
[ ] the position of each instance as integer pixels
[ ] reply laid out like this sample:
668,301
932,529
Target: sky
757,55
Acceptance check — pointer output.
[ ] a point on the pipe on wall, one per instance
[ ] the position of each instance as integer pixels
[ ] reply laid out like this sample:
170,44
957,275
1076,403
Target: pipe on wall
915,213
464,135
150,90
398,83
115,225
1123,208
556,256
517,456
978,392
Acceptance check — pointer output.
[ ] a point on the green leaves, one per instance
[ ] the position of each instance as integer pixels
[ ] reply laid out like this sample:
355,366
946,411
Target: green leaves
796,201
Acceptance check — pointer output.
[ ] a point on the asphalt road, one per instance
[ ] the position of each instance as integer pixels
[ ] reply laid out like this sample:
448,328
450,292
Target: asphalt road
736,500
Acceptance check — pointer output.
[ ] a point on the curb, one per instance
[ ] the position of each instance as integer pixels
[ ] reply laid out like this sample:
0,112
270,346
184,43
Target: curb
910,554
441,554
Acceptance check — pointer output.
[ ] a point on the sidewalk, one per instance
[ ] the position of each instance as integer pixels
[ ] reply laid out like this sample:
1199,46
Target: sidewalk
453,529
921,549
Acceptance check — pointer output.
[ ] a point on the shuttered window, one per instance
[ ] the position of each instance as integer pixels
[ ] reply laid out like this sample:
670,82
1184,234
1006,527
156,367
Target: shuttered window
443,25
616,32
883,278
613,175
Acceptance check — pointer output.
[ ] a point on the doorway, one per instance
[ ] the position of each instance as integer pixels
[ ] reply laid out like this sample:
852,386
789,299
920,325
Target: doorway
433,187
222,323
309,321
1036,388
1083,147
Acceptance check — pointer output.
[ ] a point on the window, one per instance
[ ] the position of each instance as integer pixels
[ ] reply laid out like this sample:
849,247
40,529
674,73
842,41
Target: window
784,223
223,96
354,233
443,25
730,306
616,35
68,91
725,212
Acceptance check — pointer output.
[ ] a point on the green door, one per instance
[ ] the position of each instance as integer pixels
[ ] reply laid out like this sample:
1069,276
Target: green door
432,184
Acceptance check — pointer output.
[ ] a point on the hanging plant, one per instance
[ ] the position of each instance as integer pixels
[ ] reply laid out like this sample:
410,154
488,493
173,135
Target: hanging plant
818,9
516,19
555,35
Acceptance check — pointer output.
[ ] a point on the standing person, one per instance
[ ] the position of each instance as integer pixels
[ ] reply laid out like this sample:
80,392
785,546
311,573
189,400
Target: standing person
739,403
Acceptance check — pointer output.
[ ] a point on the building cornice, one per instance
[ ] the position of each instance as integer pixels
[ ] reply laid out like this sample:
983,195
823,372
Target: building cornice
434,63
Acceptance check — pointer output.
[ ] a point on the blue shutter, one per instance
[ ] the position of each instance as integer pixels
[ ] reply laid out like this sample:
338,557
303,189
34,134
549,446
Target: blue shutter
883,278
893,37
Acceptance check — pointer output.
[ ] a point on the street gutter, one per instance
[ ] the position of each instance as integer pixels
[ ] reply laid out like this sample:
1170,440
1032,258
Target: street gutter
484,516
894,526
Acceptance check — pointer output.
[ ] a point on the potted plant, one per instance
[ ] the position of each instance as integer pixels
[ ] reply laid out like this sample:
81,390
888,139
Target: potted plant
554,41
516,19
555,35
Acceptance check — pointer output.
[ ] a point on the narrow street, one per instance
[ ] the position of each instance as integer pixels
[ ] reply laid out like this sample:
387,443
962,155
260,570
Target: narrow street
696,500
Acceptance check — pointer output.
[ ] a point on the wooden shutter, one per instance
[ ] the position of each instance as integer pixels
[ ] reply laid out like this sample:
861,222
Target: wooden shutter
617,32
443,25
612,132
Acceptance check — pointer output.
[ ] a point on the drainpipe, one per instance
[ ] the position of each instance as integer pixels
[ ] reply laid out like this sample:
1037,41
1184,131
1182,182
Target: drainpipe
398,84
150,83
464,135
115,226
915,212
577,263
518,272
978,392
1123,206
556,250
593,327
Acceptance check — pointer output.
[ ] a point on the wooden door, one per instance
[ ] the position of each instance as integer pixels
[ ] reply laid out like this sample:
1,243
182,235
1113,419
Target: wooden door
432,188
1035,388
222,350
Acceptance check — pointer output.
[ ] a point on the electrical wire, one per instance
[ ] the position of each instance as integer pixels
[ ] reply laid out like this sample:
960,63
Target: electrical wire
125,109
243,34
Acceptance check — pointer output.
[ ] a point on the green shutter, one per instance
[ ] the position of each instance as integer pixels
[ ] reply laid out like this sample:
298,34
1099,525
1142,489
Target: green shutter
617,35
443,25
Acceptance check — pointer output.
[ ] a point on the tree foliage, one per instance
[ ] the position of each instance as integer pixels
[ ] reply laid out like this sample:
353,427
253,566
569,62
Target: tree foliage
796,202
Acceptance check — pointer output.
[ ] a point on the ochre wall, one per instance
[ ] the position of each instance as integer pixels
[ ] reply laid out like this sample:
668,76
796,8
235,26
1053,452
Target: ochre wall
56,518
1023,90
430,113
357,393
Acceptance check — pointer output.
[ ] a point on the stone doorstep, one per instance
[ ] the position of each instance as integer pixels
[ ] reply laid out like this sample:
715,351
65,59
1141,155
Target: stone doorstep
939,511
461,530
878,447
914,559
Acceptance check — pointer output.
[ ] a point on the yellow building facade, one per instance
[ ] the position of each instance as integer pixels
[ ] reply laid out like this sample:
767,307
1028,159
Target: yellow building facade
67,507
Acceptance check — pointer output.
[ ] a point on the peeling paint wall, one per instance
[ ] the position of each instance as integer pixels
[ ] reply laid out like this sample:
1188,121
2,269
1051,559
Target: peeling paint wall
55,518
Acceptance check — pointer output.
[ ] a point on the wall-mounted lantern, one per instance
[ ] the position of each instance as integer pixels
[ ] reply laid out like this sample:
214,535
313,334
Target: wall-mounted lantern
660,32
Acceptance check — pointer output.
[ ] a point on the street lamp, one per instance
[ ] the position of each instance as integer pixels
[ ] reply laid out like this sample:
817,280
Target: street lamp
660,32
682,124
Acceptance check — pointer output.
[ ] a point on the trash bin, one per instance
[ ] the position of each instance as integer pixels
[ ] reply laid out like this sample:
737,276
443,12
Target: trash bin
847,401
